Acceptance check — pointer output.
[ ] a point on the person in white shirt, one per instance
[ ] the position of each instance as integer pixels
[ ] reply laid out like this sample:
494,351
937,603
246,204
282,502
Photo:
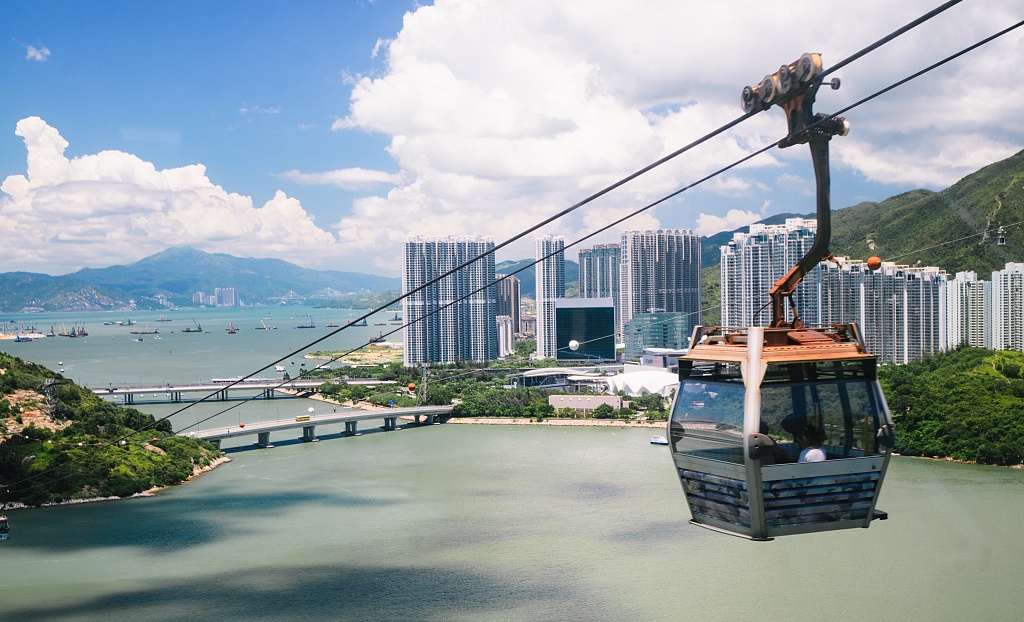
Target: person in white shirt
813,438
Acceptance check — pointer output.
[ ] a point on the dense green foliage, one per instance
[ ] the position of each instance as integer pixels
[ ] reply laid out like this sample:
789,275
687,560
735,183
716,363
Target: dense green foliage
927,227
967,404
87,457
711,296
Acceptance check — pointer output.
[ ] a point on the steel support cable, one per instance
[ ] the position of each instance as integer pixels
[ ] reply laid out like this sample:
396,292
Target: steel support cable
566,211
947,243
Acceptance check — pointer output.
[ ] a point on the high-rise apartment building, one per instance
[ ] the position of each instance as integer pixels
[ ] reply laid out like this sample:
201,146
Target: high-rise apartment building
967,322
506,336
449,321
659,273
550,275
599,274
509,302
225,297
901,310
1007,313
752,262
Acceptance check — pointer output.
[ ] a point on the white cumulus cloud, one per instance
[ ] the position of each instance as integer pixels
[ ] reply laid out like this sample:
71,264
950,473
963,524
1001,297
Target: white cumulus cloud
708,224
348,178
500,114
113,207
38,54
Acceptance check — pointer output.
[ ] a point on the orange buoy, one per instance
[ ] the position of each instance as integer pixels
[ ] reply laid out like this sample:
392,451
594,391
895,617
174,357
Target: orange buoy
874,263
412,386
241,425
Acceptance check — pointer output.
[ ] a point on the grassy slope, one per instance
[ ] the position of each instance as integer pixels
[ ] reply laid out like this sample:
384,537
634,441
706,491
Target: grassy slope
967,404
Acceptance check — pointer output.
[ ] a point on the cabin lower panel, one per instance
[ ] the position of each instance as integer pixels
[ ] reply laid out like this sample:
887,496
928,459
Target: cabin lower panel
827,501
720,499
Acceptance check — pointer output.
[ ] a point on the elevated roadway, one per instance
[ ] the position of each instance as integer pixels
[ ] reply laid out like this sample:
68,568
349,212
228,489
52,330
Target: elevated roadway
308,423
266,388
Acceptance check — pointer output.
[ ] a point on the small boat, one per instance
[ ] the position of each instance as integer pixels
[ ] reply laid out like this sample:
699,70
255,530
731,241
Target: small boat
146,331
659,440
197,329
162,318
279,368
359,323
231,329
331,324
310,325
379,338
20,338
263,326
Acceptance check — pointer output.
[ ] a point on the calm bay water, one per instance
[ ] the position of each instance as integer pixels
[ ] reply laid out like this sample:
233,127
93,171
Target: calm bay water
472,522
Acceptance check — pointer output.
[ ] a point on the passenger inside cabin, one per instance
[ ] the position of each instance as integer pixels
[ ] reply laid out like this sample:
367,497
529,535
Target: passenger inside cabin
774,454
813,438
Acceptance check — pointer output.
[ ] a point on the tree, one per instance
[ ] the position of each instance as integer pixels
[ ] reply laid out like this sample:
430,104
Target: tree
604,411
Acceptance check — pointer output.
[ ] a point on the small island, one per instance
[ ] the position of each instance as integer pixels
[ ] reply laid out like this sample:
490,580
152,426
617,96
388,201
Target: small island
61,443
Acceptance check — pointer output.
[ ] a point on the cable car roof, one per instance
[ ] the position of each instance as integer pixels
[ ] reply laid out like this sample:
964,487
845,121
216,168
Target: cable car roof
784,345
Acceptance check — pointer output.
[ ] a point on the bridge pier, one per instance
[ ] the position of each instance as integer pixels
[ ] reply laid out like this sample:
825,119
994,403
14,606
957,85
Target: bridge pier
351,428
129,398
308,434
263,440
222,395
390,423
430,419
268,394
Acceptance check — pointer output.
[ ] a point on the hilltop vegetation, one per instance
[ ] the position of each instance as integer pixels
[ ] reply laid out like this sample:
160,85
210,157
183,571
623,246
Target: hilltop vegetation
903,225
967,404
60,442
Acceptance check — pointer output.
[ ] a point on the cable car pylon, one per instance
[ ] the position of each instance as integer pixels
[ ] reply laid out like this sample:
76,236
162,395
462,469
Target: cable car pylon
755,402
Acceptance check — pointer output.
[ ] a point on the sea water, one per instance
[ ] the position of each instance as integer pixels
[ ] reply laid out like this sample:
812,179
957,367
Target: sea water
457,522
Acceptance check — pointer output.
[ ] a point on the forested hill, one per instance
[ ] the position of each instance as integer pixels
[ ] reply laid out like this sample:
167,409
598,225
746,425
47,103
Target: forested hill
967,404
920,226
60,442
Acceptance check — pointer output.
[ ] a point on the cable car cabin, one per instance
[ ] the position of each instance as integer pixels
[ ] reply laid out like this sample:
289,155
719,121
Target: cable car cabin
5,528
740,420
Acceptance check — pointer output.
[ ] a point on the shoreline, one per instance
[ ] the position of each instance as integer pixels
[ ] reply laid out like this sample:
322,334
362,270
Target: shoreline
606,423
196,472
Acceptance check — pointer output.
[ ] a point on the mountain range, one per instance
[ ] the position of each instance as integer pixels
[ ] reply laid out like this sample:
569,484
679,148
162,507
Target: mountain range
175,274
954,229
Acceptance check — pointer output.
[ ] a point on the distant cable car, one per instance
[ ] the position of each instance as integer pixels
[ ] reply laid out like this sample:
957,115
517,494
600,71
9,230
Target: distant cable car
813,389
5,528
1001,240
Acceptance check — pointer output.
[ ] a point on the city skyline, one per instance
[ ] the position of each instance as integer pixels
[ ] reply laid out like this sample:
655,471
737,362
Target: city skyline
303,135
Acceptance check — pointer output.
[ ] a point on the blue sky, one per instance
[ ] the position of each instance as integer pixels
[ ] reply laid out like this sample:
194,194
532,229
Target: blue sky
325,133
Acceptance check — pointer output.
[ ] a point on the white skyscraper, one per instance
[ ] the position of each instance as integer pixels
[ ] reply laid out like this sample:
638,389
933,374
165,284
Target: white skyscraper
660,273
901,310
1008,308
753,262
550,275
966,320
449,321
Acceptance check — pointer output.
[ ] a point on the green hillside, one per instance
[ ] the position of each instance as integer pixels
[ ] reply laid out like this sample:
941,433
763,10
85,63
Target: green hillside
920,227
967,404
59,441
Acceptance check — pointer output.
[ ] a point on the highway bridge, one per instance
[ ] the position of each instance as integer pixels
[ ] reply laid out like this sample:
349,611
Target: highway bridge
308,423
218,389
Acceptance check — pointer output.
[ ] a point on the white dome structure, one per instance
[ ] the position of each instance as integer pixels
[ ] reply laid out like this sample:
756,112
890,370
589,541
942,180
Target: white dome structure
641,382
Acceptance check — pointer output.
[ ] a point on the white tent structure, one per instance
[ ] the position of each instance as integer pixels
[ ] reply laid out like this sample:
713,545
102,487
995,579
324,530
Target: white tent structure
641,382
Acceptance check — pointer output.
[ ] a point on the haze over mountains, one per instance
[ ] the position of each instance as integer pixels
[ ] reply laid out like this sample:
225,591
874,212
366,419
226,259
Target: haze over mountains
944,229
